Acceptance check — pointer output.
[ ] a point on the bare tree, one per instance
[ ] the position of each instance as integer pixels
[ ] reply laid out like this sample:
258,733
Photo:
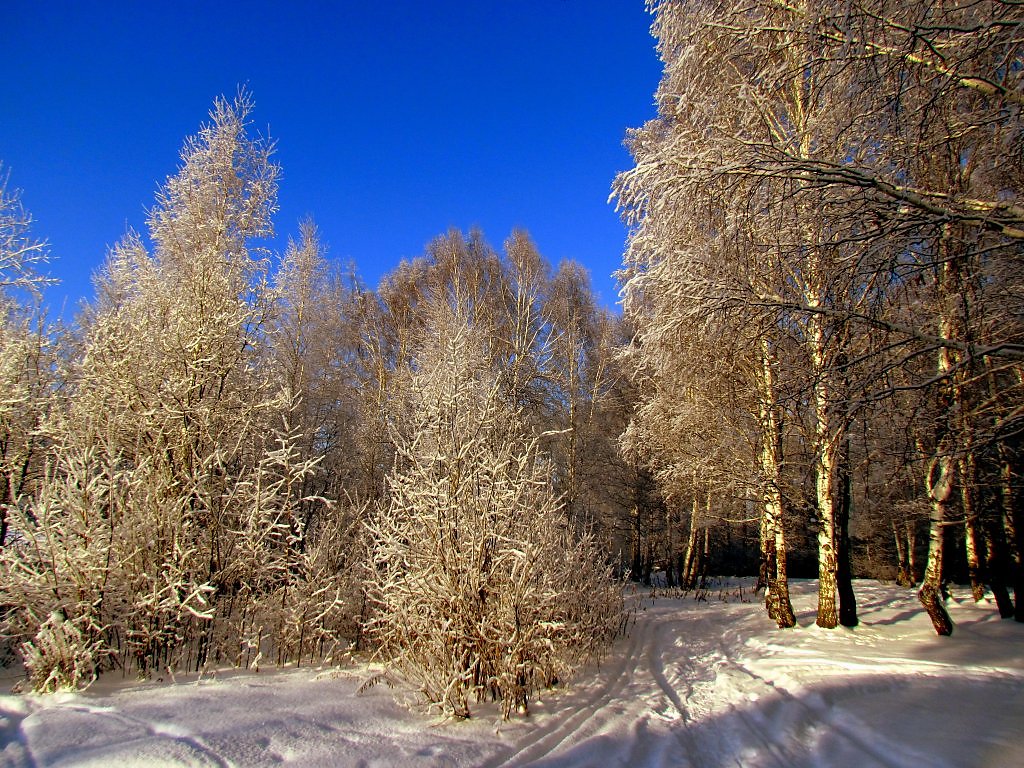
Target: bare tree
27,361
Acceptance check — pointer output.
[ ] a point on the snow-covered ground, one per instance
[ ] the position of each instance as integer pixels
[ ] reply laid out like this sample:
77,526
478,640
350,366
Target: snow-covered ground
694,684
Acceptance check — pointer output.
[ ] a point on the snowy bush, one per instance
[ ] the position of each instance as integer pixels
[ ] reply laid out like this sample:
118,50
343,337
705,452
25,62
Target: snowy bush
104,546
480,588
119,552
59,657
297,586
59,559
175,525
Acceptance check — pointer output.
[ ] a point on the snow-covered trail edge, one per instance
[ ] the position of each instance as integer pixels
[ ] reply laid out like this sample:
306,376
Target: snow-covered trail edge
694,684
720,686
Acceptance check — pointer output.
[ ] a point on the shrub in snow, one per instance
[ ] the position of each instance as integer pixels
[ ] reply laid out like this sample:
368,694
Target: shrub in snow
58,563
479,586
297,586
59,657
117,549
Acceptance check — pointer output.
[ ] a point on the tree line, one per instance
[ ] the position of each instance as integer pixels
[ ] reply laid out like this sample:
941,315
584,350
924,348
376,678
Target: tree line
236,456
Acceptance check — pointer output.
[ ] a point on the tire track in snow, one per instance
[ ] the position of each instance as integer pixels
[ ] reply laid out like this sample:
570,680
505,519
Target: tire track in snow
656,665
817,717
779,753
812,715
646,657
703,644
653,749
706,650
547,738
643,662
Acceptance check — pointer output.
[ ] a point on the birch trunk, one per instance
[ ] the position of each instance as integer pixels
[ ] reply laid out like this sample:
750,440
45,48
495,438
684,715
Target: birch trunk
777,599
688,573
973,540
940,488
903,573
911,534
941,475
825,480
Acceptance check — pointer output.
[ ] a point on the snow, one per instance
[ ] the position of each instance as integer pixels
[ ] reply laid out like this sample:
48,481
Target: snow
709,683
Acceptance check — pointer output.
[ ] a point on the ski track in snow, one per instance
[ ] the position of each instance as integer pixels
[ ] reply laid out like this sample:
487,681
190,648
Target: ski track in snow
694,685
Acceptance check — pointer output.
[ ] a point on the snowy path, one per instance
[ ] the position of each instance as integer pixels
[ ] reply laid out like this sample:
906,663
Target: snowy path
694,684
714,685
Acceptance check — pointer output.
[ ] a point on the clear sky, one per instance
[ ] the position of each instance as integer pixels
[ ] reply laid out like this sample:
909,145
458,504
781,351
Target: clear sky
394,121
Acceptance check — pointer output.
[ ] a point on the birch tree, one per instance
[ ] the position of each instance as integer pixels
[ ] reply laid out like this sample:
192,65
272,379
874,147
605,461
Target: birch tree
947,177
702,242
862,152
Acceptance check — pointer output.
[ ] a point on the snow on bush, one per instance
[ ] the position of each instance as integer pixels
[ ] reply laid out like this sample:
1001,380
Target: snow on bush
59,657
116,550
174,526
479,586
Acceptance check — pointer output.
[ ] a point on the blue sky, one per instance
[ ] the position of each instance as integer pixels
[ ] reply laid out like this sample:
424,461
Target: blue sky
394,121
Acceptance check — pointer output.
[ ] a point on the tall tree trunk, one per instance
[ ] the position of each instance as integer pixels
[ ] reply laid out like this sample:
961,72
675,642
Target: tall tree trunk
996,564
940,488
767,558
973,540
941,477
1008,504
968,470
780,584
1001,551
1013,522
910,529
705,558
688,575
648,564
903,572
637,551
670,547
999,548
831,443
844,549
827,450
777,600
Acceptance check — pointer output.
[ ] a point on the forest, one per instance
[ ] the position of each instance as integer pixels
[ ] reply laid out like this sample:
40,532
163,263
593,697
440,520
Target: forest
234,456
